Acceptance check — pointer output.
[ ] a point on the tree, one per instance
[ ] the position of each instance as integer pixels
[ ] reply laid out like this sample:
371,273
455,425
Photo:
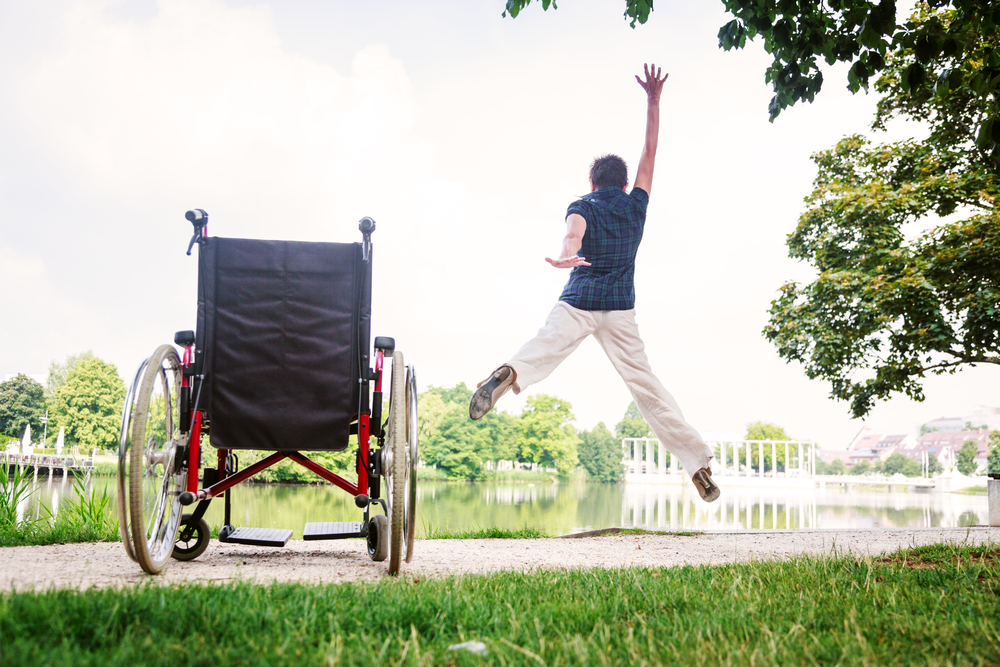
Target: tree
545,432
897,463
965,458
866,34
885,310
59,372
454,445
860,468
22,402
838,467
89,404
633,425
933,465
497,427
601,454
942,46
993,461
760,430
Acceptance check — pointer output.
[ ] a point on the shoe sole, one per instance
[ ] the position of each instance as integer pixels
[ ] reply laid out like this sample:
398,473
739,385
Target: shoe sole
482,401
708,493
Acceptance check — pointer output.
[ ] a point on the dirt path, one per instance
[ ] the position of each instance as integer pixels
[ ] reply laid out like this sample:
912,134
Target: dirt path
106,564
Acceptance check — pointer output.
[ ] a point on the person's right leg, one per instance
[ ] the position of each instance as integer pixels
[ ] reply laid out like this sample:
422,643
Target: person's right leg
563,331
619,336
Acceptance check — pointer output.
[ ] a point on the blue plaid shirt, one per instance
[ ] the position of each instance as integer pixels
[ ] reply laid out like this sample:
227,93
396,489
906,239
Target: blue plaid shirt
615,221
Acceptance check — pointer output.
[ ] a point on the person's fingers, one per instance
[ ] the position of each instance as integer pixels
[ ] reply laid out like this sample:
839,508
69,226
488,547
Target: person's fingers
645,70
640,81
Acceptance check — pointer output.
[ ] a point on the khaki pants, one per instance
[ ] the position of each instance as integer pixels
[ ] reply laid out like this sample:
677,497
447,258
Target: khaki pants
618,334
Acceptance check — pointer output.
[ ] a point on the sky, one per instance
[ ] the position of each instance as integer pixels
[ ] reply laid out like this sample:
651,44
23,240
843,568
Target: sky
465,135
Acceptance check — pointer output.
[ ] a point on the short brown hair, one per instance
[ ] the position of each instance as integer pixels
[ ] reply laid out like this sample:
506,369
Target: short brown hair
609,171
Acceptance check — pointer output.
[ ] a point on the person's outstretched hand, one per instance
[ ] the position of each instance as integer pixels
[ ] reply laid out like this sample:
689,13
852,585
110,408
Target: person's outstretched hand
653,83
567,262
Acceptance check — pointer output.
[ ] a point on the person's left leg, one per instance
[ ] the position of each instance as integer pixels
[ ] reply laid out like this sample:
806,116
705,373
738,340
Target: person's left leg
619,336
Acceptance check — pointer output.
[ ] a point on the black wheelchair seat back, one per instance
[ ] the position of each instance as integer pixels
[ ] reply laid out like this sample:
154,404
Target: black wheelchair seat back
282,342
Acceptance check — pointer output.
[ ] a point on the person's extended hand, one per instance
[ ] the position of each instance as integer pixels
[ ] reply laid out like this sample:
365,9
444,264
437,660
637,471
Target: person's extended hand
653,83
567,262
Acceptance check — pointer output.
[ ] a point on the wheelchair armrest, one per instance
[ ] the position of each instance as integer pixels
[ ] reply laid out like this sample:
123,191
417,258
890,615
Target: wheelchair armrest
184,338
386,344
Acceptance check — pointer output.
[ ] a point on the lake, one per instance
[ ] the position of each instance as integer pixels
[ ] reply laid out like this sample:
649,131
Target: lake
559,509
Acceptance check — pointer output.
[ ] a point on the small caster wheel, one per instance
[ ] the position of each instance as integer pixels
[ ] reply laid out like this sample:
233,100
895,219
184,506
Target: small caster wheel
378,537
198,542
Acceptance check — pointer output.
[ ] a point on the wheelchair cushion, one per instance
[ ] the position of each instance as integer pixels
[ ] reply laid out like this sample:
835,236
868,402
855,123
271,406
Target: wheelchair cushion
283,331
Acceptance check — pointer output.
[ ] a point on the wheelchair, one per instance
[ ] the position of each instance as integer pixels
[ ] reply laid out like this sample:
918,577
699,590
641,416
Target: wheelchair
281,362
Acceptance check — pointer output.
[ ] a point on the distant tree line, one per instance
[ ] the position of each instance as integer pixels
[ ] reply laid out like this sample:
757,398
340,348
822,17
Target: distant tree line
83,395
543,434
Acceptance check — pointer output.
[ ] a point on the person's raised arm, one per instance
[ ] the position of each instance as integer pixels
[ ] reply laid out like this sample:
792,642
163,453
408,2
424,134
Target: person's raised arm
576,225
652,85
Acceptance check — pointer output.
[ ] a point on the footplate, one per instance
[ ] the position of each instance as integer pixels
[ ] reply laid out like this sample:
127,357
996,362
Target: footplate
334,530
260,537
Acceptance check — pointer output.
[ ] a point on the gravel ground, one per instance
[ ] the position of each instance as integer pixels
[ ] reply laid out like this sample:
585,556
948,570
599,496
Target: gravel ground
106,564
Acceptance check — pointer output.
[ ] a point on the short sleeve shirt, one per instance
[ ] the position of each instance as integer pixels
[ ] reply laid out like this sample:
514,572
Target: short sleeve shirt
615,221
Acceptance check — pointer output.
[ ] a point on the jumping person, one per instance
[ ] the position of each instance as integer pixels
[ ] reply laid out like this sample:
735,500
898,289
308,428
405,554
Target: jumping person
599,299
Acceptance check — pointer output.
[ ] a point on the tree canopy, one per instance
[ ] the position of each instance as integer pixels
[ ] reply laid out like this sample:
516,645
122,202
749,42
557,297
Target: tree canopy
889,306
22,402
801,35
545,433
59,371
633,425
965,457
89,404
601,454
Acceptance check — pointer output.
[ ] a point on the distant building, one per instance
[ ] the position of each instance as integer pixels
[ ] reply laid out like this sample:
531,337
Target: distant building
984,415
944,424
945,445
871,446
981,416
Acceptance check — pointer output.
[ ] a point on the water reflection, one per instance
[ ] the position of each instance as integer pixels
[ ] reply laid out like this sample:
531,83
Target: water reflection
558,509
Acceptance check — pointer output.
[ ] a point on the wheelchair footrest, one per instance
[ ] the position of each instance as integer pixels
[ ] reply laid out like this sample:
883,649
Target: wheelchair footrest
260,537
334,530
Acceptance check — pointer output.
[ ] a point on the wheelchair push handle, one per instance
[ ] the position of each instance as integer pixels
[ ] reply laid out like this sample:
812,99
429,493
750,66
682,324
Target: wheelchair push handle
199,218
367,226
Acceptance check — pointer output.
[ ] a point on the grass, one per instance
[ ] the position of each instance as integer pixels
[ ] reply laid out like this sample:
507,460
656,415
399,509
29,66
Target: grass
643,531
972,491
804,611
89,518
479,533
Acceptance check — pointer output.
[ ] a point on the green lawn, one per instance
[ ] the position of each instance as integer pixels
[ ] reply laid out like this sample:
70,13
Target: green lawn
927,606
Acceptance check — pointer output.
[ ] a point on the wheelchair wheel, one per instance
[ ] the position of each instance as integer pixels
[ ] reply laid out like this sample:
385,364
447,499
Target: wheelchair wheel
124,442
410,508
156,476
396,470
378,537
196,545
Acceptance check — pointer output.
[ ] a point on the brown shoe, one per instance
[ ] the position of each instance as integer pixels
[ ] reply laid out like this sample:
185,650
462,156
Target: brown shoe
707,489
490,390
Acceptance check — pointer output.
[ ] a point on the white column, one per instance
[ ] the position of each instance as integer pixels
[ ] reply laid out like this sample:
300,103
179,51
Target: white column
722,456
661,460
774,459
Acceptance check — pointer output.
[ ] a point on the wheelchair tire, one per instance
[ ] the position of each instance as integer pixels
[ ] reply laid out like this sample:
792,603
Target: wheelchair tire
124,442
378,538
156,476
396,478
198,543
412,456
